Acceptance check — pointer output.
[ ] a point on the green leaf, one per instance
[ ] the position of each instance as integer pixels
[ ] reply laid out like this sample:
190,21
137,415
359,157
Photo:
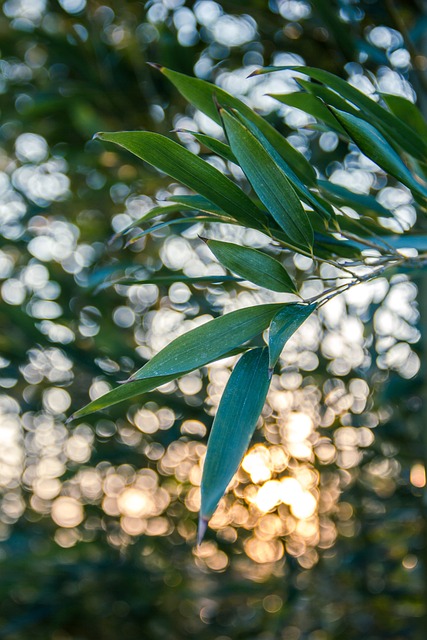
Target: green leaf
371,111
309,104
166,280
361,202
235,421
283,326
269,182
178,221
130,390
205,96
209,342
253,265
195,173
314,200
218,147
376,147
407,111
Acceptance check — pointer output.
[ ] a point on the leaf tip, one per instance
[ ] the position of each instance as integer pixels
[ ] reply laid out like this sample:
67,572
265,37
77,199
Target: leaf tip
257,72
201,530
98,135
154,65
203,239
69,419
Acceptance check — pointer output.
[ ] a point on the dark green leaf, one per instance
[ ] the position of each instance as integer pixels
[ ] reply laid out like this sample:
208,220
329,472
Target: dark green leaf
269,182
182,165
309,104
235,421
205,96
373,144
253,265
220,148
209,342
361,202
283,326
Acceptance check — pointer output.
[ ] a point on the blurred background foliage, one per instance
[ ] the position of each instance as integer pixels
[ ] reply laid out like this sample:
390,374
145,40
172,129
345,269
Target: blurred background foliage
324,533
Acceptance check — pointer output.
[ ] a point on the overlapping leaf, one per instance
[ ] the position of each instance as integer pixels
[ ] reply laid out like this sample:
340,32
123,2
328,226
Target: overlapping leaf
283,326
205,97
182,165
235,421
253,265
269,182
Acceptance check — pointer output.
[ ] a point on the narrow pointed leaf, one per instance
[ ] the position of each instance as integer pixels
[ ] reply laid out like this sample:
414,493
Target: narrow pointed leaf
407,111
253,265
235,421
166,280
362,203
372,143
389,124
313,199
309,104
269,182
209,342
130,390
283,326
182,165
205,96
218,147
178,221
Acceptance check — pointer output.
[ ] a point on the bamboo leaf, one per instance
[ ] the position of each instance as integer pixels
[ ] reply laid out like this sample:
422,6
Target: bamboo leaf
373,144
387,122
130,390
269,182
208,342
314,200
178,221
363,203
407,111
166,280
235,421
253,265
218,147
283,326
205,96
310,104
195,173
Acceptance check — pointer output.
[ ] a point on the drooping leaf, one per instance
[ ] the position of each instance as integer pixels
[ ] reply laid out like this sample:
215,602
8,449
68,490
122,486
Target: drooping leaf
182,165
309,104
253,265
205,97
166,280
218,147
406,111
283,326
361,202
390,126
371,142
209,341
178,221
313,199
130,390
269,182
235,421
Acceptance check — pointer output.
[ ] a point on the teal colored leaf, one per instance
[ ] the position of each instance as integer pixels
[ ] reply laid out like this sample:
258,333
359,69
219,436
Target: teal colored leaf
363,203
205,97
283,326
407,111
166,280
218,147
373,144
195,173
253,265
310,104
130,390
208,342
313,199
178,221
235,421
269,182
391,126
